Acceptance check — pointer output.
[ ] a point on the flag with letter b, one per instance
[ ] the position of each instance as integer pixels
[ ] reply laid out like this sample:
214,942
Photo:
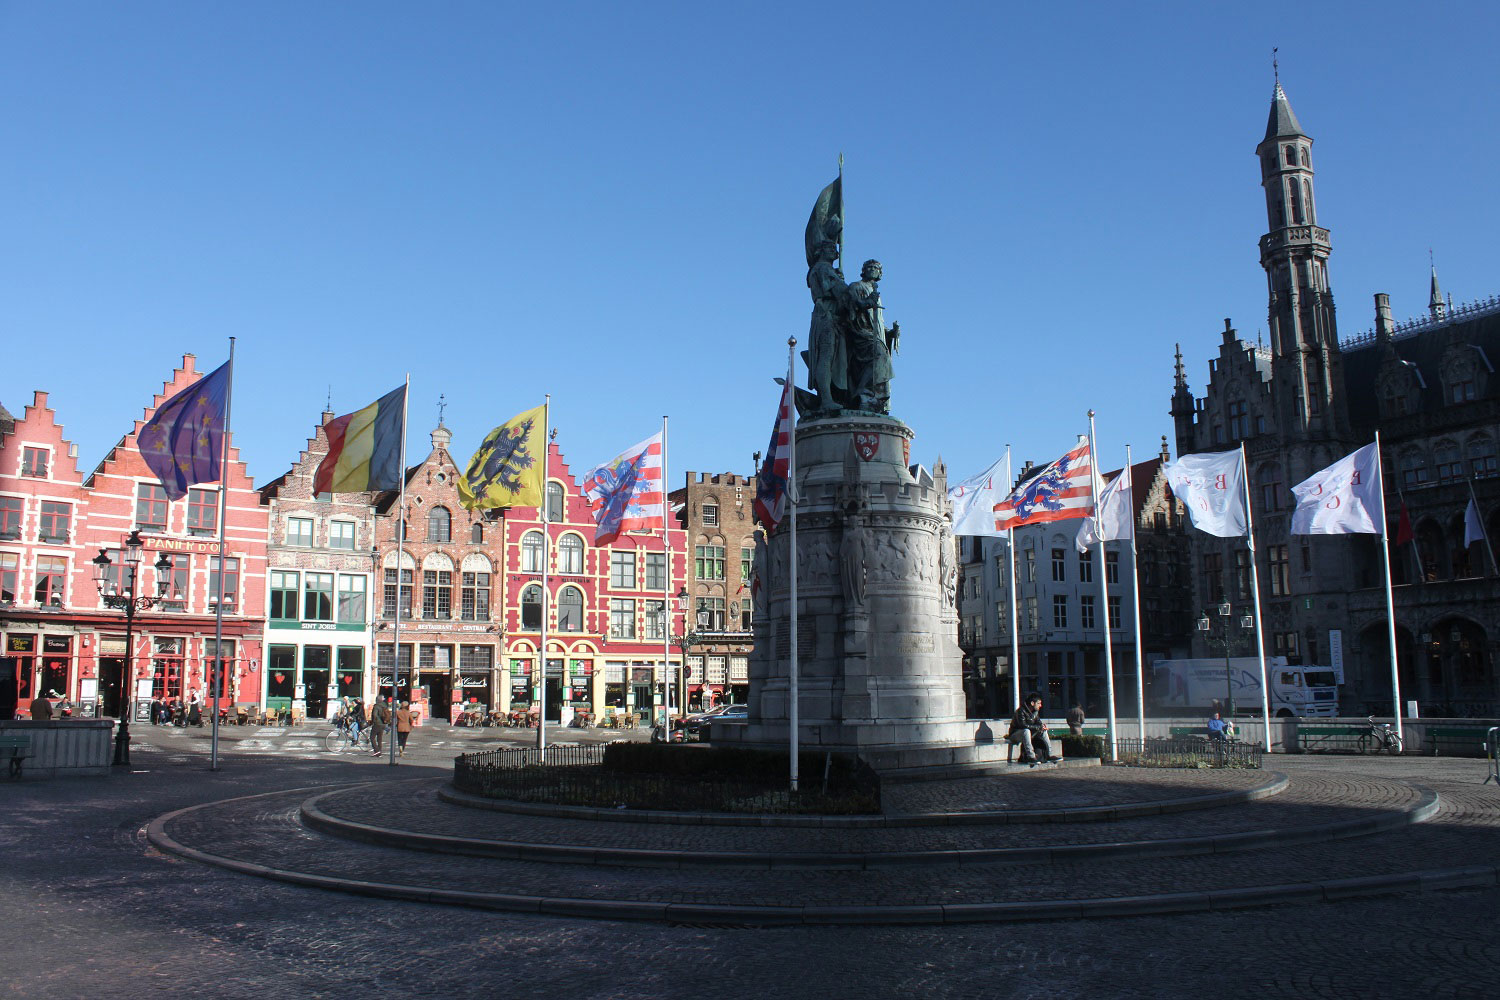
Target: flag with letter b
1342,499
1211,485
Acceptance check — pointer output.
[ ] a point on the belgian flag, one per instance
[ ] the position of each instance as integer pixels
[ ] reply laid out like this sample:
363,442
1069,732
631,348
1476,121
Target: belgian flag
364,448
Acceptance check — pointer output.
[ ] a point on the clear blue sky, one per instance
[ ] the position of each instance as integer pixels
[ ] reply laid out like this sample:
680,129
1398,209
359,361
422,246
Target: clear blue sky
606,202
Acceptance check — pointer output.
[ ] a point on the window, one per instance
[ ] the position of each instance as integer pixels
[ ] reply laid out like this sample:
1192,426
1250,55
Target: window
150,506
708,562
570,610
1482,456
9,562
531,552
1239,421
570,554
653,622
437,593
747,565
622,570
1287,644
317,597
54,521
115,576
1059,565
439,525
554,503
476,535
1030,572
202,512
51,575
656,571
1059,611
1306,558
1461,392
177,578
1086,566
231,583
475,598
475,659
299,531
1213,575
341,535
1414,469
1281,584
1086,611
531,608
1111,567
395,588
1241,574
1114,612
1314,397
621,619
34,462
711,613
1271,490
285,588
1450,464
710,515
10,518
1033,620
351,598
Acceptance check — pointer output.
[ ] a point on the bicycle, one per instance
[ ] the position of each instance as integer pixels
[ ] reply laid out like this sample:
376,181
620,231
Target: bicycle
342,739
1382,735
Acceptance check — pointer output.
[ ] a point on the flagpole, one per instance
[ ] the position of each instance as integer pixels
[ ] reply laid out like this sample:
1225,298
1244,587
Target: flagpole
1260,640
400,569
666,587
1015,597
541,686
1484,531
792,498
1390,596
217,671
1135,600
1109,659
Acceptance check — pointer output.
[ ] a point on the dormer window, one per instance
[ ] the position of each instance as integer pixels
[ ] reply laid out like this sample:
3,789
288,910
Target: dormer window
34,462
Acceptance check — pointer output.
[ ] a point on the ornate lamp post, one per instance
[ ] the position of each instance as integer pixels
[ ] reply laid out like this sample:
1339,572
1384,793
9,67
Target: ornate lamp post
682,640
130,604
1205,625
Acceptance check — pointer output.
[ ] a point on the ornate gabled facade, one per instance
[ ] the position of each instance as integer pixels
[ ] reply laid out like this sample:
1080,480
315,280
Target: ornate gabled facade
1304,400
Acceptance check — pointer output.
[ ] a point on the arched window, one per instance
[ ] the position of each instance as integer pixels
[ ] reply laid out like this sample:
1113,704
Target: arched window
570,610
1291,156
439,525
1449,462
570,554
531,552
554,503
531,608
1312,215
1414,469
1481,450
476,533
1296,189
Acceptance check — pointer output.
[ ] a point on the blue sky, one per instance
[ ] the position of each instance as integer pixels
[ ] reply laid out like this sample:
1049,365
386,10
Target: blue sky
606,202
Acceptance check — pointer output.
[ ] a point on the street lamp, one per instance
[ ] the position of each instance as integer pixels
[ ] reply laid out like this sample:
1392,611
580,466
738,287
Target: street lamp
130,604
1205,625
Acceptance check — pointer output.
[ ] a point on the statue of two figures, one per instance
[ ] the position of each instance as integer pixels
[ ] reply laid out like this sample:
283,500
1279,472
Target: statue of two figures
849,346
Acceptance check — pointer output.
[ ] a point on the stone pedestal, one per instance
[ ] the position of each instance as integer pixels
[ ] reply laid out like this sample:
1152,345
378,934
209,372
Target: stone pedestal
878,659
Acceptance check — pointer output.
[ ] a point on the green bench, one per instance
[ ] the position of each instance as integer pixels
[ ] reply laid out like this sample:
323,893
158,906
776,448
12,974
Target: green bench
1332,739
15,747
1457,741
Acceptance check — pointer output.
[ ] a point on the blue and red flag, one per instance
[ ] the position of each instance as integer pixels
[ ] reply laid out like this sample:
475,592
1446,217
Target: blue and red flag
626,492
183,442
1060,491
771,480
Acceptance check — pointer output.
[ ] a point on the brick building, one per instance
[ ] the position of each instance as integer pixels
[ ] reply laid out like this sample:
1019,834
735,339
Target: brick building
321,564
53,522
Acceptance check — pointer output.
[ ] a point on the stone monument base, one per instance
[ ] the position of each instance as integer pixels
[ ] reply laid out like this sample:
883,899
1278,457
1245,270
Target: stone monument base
884,746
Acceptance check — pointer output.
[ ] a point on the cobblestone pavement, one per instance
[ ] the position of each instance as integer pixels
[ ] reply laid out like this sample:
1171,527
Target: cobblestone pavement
91,911
1061,788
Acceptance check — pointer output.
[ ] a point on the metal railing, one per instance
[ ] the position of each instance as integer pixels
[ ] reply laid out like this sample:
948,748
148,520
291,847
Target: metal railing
1190,751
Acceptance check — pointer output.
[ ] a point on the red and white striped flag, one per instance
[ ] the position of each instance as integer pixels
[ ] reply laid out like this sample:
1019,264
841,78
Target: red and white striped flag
1059,492
626,492
770,481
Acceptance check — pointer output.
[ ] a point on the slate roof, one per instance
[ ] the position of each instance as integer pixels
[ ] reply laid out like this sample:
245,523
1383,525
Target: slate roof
1282,121
1425,352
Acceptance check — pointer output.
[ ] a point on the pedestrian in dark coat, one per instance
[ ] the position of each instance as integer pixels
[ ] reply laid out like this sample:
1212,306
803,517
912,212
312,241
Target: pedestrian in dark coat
380,719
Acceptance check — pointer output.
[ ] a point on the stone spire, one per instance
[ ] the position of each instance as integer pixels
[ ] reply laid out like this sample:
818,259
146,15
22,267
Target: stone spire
1283,122
1435,307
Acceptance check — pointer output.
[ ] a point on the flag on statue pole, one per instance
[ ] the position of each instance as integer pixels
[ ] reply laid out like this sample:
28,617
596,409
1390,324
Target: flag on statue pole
1343,499
1059,492
974,501
1211,488
626,492
770,480
1115,517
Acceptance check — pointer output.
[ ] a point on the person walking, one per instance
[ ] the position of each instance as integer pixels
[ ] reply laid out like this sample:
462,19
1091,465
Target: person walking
403,727
380,718
1076,719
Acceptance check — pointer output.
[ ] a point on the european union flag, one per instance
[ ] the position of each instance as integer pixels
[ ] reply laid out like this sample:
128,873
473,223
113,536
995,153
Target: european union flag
184,442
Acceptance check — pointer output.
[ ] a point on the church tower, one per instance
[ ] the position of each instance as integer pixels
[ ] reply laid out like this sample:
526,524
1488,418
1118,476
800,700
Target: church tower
1306,367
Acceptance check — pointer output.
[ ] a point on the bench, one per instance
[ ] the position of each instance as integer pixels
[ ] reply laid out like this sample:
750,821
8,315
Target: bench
1457,741
15,747
1332,739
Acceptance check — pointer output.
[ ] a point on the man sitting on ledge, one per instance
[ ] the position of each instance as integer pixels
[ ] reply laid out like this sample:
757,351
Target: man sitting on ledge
1029,731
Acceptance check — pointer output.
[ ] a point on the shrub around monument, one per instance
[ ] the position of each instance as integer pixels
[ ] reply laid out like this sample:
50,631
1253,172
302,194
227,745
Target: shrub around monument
831,783
1078,747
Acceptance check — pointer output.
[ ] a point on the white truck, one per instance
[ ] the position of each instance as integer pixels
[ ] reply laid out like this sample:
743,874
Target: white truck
1308,691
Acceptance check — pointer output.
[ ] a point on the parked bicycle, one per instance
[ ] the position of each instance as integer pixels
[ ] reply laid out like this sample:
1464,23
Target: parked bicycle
1383,736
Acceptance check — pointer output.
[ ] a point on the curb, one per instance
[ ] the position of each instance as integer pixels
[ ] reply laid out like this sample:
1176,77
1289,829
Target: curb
1275,784
313,816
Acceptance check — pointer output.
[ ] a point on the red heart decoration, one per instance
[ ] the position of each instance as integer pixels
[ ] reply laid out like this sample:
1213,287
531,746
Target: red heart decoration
347,679
280,678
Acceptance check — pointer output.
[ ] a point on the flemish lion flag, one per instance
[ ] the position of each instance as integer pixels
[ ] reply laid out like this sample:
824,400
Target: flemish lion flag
505,471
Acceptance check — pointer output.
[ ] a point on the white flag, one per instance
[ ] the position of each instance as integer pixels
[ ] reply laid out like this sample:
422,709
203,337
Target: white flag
1116,514
1211,487
1342,499
974,501
1473,526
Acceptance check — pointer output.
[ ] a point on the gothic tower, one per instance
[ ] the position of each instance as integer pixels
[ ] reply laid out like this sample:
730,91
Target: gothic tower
1306,367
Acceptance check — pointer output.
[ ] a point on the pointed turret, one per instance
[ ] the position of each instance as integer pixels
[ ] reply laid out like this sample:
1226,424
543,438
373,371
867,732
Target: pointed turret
1283,122
1435,306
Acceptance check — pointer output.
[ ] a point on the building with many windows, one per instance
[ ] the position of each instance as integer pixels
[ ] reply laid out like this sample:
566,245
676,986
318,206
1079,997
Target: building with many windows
321,567
54,522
